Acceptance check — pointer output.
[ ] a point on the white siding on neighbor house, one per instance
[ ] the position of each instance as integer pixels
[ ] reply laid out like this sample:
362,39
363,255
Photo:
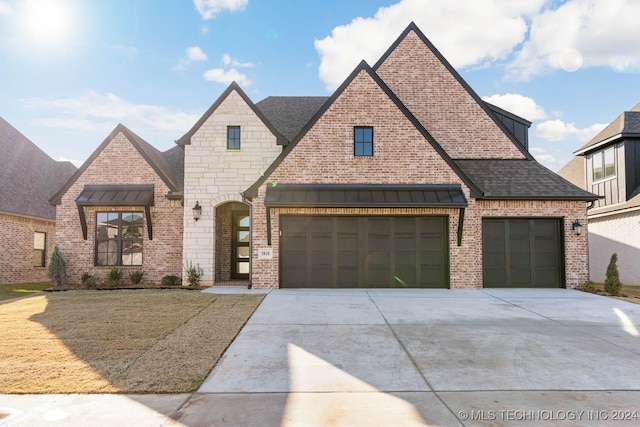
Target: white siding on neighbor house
214,175
620,234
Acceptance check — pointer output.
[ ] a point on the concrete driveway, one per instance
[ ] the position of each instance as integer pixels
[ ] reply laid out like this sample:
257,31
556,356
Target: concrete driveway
428,357
397,357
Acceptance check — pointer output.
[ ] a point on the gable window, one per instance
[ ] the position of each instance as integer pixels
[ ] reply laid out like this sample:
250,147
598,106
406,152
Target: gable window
604,164
39,249
363,141
119,238
233,137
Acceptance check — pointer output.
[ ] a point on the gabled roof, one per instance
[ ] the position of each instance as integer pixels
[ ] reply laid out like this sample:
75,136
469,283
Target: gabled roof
512,179
626,125
289,114
28,176
186,138
363,66
157,160
412,27
574,171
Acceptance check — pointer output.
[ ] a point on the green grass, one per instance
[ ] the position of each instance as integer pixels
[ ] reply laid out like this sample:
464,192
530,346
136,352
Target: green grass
22,290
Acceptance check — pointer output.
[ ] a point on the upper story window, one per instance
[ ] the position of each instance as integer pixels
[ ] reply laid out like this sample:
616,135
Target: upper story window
363,141
233,137
119,238
604,164
39,249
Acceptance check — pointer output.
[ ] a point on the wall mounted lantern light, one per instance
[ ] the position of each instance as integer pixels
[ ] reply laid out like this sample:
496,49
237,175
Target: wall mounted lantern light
197,211
577,227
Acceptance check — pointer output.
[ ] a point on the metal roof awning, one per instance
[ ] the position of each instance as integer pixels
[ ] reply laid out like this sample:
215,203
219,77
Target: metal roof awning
365,195
116,195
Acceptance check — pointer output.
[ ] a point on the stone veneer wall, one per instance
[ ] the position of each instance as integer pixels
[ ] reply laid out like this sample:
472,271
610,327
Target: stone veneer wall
442,104
16,235
121,163
215,175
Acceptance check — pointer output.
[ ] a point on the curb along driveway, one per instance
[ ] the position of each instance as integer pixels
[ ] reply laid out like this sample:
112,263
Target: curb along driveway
398,357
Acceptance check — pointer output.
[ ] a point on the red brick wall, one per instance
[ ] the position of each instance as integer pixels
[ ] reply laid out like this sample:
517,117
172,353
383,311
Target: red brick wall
16,237
121,163
442,104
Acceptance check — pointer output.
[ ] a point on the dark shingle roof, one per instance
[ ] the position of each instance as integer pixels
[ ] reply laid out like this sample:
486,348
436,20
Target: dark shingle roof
520,179
626,124
175,159
289,114
28,176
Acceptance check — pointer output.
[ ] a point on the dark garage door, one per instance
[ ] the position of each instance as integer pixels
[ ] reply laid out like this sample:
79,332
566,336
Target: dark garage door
364,252
522,253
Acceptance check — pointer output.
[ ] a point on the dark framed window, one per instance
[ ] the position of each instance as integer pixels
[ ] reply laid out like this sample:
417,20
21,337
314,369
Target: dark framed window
39,249
233,137
604,164
363,141
119,238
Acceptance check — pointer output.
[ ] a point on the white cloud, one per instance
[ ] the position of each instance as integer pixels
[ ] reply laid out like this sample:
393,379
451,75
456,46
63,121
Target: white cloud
104,111
517,104
547,159
557,130
226,76
210,8
5,9
228,60
193,54
581,33
461,40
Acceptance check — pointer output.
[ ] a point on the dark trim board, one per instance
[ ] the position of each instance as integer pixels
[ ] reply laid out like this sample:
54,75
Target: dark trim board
341,251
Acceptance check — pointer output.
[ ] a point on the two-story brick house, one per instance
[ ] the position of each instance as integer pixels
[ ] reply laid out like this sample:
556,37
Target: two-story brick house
609,165
403,177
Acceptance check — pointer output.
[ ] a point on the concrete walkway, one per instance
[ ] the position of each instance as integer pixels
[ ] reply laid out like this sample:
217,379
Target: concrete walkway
398,357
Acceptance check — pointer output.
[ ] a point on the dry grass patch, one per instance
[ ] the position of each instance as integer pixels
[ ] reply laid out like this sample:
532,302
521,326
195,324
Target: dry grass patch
125,341
22,290
629,293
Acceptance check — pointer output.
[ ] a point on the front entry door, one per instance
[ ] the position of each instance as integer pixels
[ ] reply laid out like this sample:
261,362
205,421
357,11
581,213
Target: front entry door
240,251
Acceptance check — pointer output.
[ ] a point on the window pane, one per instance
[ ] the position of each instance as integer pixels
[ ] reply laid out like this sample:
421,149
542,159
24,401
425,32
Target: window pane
363,141
243,252
243,221
38,258
132,252
609,162
39,240
243,236
242,267
597,166
233,137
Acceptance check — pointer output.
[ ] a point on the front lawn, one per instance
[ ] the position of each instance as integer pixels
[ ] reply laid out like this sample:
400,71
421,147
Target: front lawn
121,341
21,290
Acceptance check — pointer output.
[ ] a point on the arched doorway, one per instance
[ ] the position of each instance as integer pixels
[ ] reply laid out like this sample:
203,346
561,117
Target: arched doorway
233,251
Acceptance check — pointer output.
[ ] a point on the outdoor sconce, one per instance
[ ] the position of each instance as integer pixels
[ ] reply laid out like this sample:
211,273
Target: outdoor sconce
577,227
197,211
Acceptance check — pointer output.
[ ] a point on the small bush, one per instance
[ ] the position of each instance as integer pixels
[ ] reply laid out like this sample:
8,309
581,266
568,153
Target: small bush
88,280
589,286
194,274
170,280
57,269
136,277
114,278
612,283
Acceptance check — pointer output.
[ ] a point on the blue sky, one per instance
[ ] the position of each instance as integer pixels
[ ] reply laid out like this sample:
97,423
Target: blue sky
70,70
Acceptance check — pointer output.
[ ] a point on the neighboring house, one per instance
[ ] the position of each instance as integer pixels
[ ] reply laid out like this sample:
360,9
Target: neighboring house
28,177
609,165
403,177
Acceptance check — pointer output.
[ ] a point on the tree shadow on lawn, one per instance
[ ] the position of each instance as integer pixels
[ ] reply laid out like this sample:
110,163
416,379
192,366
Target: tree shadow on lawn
142,341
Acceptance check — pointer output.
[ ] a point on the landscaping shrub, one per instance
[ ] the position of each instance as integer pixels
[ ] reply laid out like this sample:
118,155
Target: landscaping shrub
136,277
589,286
612,283
194,274
114,278
88,280
57,269
170,280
